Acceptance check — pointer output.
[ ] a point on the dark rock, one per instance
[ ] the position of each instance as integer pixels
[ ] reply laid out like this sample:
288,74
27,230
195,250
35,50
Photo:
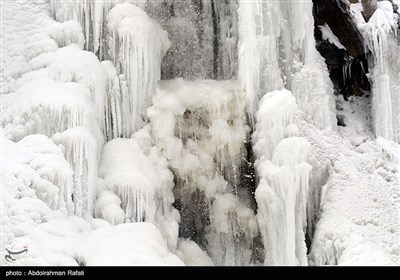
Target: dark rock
348,67
340,120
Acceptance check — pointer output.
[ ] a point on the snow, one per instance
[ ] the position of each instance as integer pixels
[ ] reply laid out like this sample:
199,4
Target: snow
128,244
327,34
20,44
191,254
36,199
357,205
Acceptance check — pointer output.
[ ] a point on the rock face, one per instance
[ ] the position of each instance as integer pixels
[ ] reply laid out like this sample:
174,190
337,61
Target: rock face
347,66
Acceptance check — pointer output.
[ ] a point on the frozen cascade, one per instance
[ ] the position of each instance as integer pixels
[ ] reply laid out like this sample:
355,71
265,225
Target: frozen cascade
58,99
204,36
200,128
381,38
108,31
113,102
283,174
81,151
143,183
277,49
92,15
137,45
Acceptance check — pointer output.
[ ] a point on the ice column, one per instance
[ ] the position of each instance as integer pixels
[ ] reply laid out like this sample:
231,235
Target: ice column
92,15
381,37
283,174
137,45
276,49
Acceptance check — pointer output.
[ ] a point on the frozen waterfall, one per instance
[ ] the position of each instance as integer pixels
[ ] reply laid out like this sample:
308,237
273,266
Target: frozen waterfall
198,132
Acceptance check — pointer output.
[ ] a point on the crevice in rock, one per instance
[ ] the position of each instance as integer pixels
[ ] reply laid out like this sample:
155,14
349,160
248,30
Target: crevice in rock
215,23
248,174
194,212
348,67
319,177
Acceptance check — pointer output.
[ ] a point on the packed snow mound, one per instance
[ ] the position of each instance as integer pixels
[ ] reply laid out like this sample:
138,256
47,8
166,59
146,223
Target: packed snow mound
36,167
128,244
283,172
36,179
191,254
74,241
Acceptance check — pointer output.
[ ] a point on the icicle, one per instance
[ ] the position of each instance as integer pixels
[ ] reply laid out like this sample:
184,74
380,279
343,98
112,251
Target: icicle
203,153
380,34
113,127
282,191
276,42
137,46
258,64
91,14
82,154
137,186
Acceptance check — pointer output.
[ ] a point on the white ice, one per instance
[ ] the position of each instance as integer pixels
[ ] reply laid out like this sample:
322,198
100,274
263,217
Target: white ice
283,172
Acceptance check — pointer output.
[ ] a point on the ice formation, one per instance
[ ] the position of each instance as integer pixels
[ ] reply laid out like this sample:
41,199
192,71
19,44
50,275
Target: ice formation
61,95
283,174
37,164
174,183
381,38
91,15
143,185
123,33
200,128
277,50
137,45
192,255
